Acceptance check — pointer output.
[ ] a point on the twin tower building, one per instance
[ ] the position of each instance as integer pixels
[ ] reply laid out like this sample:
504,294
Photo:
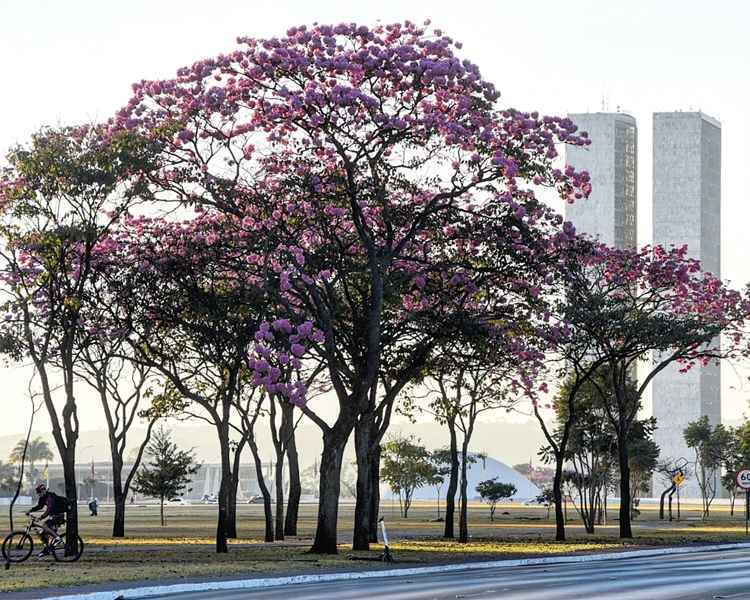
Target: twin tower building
686,204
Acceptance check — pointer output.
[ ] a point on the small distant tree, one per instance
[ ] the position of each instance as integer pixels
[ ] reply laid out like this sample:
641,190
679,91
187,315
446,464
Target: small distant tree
167,473
406,467
736,457
546,499
643,460
442,461
492,491
710,445
7,474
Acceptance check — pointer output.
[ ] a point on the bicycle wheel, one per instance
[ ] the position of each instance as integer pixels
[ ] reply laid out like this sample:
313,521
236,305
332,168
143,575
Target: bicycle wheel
59,550
17,547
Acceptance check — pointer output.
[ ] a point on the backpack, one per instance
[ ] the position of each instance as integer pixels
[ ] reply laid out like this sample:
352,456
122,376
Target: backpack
60,504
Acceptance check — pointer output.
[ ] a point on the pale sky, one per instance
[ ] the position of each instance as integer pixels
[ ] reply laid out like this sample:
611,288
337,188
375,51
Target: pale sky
74,61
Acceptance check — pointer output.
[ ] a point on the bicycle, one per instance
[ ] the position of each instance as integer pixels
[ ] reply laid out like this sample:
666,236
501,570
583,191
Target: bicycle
19,545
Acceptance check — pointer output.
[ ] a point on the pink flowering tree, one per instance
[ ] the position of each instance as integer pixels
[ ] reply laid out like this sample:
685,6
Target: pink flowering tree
625,306
59,195
366,156
204,321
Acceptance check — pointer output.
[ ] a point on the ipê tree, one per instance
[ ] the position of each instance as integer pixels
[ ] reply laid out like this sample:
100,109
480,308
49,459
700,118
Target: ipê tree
652,305
59,195
283,433
359,152
201,322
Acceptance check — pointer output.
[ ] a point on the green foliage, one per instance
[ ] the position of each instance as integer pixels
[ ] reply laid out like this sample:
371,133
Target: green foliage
547,497
592,448
71,162
407,466
37,451
736,456
712,445
167,473
7,476
441,461
492,491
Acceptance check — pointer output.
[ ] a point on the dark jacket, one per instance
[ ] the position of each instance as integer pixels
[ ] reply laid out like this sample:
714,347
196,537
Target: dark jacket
48,501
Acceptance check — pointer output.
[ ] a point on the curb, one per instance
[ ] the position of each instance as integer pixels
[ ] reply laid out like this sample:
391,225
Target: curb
260,583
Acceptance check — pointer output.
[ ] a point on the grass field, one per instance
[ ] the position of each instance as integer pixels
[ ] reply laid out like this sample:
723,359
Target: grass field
183,548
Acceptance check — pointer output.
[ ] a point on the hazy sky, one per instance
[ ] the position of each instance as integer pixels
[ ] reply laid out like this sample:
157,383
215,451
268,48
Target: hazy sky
74,61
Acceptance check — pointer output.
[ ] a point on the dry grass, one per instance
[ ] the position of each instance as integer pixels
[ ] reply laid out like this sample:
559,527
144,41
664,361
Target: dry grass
184,548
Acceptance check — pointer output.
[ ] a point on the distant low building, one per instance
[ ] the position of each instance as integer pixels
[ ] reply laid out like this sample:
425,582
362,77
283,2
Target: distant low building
95,479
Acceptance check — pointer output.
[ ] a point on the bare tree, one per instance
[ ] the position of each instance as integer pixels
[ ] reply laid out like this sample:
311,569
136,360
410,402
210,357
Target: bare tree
36,405
105,366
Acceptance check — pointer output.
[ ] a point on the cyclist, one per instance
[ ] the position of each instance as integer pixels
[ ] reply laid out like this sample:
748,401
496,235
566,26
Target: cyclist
55,507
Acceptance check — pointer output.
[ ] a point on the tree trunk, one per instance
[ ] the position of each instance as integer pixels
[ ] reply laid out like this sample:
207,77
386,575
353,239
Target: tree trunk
161,510
234,485
589,522
363,432
450,496
71,493
626,530
374,494
232,506
118,524
267,509
22,466
295,487
558,500
463,520
279,487
669,490
224,486
331,458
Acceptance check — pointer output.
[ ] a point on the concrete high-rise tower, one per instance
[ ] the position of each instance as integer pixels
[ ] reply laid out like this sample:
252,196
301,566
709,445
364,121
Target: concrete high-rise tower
610,212
687,210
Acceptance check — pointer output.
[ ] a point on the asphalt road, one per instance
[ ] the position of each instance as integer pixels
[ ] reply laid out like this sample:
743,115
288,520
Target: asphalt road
711,575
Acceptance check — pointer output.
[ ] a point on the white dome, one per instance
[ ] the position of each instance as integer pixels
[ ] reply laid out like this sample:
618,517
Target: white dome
479,471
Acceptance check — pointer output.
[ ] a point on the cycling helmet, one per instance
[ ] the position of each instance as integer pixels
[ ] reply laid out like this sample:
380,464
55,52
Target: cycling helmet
41,488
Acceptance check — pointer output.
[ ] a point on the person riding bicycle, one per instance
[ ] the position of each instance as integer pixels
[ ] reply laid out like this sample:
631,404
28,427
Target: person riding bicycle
55,507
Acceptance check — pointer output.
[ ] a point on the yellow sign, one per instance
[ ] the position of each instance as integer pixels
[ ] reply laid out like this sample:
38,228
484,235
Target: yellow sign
678,479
